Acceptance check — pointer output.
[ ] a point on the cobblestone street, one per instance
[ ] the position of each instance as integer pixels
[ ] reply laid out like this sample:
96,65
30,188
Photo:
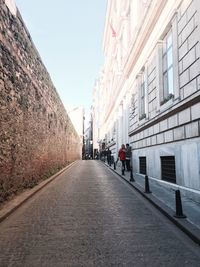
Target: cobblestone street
88,216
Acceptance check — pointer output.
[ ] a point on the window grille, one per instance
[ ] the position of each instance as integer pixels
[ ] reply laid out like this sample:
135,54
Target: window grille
168,169
143,165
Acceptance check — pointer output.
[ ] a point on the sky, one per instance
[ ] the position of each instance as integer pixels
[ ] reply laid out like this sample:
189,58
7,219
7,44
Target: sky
68,35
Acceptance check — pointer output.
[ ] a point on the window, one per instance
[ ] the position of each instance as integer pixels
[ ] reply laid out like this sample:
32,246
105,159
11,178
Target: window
168,169
167,59
142,96
143,165
132,106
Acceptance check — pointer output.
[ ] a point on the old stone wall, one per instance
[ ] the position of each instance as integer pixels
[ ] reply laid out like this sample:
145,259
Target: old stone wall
37,137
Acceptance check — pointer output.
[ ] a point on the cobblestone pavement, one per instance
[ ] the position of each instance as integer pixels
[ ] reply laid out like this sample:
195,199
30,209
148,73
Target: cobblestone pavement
88,216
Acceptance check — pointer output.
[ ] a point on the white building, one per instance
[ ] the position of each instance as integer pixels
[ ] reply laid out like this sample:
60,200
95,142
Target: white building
76,114
149,90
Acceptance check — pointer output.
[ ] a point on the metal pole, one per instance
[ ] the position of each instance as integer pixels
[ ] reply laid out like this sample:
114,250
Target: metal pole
131,176
179,210
147,190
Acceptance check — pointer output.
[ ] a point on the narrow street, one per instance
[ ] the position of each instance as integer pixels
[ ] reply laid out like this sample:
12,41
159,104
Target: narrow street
88,216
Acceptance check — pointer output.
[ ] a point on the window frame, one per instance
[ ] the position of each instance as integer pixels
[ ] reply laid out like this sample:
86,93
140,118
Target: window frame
167,67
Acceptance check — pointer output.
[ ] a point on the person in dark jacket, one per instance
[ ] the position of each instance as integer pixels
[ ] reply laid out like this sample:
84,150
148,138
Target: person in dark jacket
108,153
128,157
122,155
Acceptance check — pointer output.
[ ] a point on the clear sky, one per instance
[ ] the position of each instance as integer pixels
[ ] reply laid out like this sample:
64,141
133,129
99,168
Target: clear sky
68,35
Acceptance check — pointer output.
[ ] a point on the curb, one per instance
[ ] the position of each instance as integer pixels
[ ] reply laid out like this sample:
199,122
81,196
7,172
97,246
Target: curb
183,224
19,200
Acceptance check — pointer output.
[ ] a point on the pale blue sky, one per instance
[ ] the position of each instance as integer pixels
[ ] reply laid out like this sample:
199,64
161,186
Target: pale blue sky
68,35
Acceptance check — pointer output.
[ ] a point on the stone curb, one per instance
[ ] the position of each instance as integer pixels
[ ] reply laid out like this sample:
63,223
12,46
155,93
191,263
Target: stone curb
188,228
19,200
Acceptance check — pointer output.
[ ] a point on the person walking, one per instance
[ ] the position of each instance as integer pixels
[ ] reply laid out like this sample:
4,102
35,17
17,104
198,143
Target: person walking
122,155
128,157
108,153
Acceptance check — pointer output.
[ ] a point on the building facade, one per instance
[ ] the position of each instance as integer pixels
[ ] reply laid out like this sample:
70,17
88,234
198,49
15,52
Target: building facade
77,114
149,89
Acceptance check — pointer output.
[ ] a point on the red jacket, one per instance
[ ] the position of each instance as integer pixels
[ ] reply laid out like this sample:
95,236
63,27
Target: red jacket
122,154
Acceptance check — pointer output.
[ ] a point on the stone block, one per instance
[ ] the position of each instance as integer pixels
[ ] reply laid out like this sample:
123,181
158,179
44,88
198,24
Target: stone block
160,138
190,88
188,29
146,132
144,142
151,131
195,111
191,10
192,39
152,76
181,66
197,49
173,121
179,133
184,6
194,69
134,146
192,129
183,50
190,164
152,95
180,42
141,135
184,116
182,23
163,125
168,136
184,78
181,93
156,128
150,107
189,59
149,141
153,140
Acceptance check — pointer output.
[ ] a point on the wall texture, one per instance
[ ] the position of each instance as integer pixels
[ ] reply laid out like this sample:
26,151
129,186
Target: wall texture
37,137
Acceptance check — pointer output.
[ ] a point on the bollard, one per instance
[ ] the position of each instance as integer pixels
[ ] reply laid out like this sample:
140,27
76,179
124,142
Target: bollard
131,176
114,165
147,185
179,210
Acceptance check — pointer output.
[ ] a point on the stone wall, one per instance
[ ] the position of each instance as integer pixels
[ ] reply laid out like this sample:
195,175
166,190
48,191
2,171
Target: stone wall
36,135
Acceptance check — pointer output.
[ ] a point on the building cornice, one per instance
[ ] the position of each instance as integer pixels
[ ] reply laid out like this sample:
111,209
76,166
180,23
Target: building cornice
136,49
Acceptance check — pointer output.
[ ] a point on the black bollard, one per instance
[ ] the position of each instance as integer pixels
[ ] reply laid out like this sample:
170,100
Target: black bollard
114,165
131,176
147,185
179,210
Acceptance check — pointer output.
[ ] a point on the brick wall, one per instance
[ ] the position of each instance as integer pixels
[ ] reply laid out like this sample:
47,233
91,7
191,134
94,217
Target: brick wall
36,135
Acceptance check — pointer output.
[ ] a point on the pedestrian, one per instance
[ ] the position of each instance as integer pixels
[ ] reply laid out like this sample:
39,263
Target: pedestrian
108,154
122,155
128,157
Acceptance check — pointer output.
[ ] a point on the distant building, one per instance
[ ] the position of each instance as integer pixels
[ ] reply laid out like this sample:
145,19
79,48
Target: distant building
88,141
148,92
76,114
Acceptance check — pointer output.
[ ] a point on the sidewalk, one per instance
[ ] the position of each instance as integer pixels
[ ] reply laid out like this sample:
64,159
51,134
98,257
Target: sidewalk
164,199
